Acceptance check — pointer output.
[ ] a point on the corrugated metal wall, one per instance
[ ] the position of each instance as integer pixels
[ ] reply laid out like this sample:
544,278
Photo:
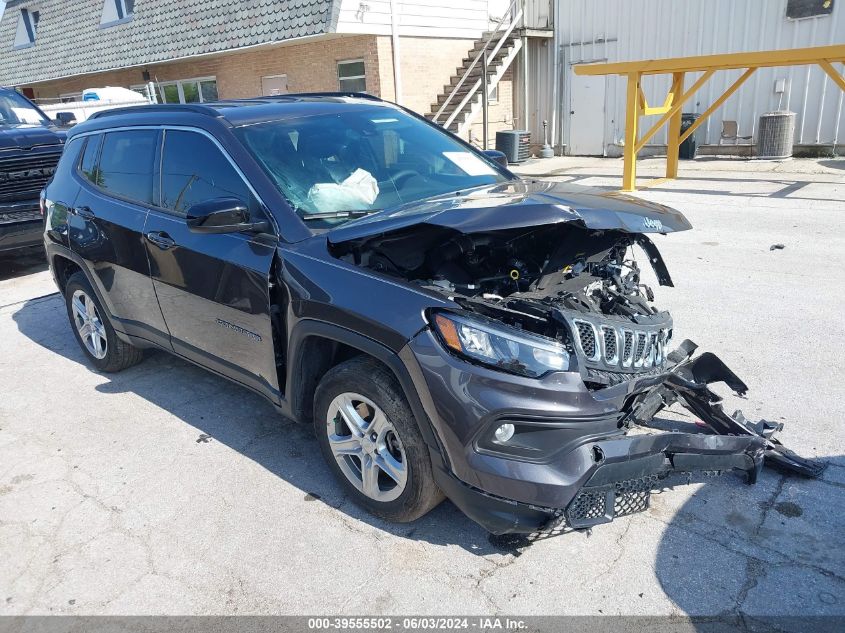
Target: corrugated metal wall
624,30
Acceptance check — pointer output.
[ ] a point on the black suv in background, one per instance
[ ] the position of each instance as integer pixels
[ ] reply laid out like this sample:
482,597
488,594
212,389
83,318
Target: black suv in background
448,328
30,146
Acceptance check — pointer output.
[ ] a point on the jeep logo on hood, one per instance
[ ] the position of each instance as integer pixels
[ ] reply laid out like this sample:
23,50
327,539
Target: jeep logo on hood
653,223
26,174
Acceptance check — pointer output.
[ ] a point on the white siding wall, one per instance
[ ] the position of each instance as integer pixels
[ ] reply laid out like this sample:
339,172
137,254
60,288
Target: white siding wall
624,30
435,18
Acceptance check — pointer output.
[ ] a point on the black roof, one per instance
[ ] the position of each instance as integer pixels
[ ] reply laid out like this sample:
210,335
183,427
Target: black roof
244,111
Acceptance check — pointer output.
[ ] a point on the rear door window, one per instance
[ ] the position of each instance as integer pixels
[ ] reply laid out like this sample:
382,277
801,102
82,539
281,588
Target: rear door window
127,163
193,169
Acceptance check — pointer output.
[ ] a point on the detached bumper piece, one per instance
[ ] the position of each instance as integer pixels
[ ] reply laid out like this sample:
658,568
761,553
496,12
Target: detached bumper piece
635,466
687,384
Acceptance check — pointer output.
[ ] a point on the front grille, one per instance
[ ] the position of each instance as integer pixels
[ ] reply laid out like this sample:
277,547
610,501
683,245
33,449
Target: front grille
633,495
628,350
601,504
24,174
611,353
615,345
586,507
587,339
23,215
640,351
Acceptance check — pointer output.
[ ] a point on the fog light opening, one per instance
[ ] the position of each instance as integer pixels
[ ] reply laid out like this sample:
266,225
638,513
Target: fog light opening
598,455
504,433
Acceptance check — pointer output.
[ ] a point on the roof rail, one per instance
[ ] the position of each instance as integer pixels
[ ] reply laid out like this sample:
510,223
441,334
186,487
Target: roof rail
294,95
158,107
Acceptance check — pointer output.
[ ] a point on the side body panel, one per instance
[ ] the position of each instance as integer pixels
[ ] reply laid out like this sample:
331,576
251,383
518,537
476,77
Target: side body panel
106,233
214,293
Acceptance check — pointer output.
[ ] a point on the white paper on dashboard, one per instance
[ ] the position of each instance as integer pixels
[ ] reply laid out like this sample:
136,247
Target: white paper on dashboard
470,164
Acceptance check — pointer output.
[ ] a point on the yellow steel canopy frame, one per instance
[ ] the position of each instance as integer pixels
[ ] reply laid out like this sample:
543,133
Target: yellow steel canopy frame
637,106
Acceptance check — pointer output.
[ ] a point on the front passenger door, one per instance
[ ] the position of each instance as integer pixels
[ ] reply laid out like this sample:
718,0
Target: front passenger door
213,289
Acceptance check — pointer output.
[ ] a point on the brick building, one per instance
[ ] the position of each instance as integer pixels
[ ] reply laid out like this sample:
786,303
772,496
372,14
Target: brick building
209,49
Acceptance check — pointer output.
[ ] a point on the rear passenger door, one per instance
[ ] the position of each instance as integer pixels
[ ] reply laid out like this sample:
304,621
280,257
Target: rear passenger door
106,223
213,289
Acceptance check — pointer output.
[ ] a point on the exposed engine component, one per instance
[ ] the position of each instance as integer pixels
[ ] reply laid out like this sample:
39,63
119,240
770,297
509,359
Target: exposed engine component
580,287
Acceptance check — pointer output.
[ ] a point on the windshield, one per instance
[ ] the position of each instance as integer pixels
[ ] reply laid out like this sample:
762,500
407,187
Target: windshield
15,109
334,167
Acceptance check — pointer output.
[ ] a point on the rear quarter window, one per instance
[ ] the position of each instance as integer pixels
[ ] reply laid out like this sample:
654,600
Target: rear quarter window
127,163
88,165
70,155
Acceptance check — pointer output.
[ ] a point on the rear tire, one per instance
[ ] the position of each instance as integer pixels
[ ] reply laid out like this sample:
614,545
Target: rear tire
92,328
371,441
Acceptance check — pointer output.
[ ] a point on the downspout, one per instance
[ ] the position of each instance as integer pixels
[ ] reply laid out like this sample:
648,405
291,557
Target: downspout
554,135
394,47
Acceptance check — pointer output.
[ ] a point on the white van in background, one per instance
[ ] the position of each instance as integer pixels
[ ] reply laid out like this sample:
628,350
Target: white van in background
94,100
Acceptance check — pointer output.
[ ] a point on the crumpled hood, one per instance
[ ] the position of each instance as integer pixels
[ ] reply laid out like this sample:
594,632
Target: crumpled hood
26,136
521,204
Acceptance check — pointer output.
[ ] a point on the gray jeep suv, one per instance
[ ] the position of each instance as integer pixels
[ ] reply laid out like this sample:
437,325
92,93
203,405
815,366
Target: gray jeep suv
448,328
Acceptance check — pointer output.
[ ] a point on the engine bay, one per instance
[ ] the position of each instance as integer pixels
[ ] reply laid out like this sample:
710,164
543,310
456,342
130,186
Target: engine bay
580,287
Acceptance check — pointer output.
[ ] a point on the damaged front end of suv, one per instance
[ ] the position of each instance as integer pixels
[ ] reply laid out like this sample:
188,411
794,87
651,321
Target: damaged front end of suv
551,362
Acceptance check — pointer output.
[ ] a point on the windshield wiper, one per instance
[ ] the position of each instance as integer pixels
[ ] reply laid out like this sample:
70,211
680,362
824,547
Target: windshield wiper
332,215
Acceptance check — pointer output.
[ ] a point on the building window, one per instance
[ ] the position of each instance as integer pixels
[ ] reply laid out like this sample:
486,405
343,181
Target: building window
117,12
351,76
27,24
199,90
493,96
797,9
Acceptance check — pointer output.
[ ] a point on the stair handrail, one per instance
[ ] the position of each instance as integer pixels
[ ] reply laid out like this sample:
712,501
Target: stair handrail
516,16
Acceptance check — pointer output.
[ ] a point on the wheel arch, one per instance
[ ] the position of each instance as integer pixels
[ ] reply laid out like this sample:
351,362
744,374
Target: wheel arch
63,267
317,346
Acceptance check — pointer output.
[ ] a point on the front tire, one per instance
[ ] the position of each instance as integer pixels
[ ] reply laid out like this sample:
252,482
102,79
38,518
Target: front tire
92,328
371,441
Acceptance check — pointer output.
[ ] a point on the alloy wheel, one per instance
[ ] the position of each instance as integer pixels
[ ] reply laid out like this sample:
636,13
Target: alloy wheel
88,323
366,447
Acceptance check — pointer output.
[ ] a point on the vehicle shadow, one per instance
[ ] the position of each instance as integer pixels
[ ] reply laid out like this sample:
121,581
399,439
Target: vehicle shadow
767,558
834,163
23,262
224,412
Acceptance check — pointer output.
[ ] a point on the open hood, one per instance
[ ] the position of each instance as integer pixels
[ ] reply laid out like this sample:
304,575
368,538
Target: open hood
521,204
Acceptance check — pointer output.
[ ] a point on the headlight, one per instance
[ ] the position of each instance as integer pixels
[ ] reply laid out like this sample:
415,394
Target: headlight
500,346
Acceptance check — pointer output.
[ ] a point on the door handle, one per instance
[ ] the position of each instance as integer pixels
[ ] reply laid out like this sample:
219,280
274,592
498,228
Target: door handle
83,212
161,239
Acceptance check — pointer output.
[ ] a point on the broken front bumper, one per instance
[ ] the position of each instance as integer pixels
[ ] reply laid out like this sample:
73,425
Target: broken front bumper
594,457
620,481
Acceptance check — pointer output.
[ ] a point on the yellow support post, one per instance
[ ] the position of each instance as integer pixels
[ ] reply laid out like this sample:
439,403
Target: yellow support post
632,116
676,107
830,70
718,102
637,105
674,142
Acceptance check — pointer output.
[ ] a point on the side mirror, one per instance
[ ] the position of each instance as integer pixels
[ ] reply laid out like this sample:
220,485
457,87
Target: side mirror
223,215
65,119
497,156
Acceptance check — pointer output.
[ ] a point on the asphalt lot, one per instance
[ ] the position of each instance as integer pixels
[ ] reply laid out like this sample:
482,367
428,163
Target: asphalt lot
166,490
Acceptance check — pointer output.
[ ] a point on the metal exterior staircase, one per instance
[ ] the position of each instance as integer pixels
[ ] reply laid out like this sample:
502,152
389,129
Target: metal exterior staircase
460,103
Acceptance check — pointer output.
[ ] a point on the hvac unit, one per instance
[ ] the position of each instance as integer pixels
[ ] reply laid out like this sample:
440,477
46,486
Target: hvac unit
515,144
775,134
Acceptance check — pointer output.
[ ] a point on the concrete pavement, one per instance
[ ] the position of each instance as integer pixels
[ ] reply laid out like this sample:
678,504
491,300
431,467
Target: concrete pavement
166,490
